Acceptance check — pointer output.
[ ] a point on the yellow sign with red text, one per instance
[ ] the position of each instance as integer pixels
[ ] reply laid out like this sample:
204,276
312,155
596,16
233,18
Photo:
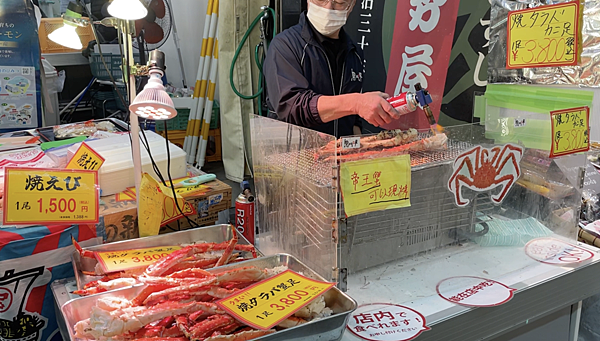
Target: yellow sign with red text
570,131
375,184
113,261
544,36
267,303
85,158
50,196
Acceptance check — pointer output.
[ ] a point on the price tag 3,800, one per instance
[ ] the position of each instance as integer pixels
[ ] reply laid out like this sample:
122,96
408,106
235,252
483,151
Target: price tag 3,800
267,303
570,131
113,261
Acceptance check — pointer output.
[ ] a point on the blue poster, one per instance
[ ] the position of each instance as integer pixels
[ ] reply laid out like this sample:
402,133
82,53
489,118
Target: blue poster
20,87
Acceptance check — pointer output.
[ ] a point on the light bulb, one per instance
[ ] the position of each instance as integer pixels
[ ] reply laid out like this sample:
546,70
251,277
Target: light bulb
66,36
127,9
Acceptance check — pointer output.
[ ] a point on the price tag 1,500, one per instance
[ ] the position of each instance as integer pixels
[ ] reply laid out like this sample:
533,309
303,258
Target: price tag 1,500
113,261
267,303
50,196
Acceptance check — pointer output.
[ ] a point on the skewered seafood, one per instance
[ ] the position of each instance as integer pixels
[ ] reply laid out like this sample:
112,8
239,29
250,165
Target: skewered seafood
436,142
384,139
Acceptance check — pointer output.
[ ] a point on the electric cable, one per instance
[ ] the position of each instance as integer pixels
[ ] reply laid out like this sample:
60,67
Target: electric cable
190,221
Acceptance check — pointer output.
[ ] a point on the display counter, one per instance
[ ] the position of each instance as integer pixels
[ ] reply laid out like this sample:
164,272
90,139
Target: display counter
436,256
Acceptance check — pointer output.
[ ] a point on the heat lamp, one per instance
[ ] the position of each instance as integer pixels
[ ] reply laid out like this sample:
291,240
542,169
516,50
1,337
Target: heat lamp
66,35
127,9
153,102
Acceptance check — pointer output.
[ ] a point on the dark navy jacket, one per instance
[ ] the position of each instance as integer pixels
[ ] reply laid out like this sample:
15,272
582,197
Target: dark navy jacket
297,73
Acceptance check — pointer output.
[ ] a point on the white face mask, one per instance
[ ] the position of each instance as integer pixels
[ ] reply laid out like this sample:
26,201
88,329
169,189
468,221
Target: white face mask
326,21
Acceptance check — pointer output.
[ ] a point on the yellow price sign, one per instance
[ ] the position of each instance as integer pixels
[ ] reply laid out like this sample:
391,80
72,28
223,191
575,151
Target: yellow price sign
570,131
375,184
85,158
113,261
50,196
544,36
267,303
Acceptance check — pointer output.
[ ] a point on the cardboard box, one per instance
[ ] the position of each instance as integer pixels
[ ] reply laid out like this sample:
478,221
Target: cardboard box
118,220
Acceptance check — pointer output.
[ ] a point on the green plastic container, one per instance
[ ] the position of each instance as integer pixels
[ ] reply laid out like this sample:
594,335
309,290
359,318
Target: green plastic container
180,121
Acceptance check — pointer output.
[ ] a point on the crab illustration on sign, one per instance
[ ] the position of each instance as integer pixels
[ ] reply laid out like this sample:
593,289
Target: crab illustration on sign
482,169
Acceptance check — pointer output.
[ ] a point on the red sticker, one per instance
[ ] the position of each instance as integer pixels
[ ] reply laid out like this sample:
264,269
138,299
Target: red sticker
557,252
474,291
386,322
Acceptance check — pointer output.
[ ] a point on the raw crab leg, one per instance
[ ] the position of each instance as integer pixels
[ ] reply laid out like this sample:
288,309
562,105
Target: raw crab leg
206,327
436,142
130,320
162,265
228,251
181,290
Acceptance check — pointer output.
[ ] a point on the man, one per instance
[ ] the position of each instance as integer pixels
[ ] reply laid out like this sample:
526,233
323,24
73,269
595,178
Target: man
314,74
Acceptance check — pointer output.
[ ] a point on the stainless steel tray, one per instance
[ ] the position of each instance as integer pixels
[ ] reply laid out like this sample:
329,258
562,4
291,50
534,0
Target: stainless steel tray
216,234
326,329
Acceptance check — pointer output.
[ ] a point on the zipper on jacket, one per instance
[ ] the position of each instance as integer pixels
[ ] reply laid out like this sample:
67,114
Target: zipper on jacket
330,71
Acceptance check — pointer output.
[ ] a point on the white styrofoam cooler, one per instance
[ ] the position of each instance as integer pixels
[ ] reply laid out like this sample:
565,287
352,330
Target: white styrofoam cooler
116,174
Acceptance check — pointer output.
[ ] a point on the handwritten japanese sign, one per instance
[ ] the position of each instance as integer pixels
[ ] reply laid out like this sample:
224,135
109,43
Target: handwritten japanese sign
474,291
113,261
377,184
351,142
570,131
85,158
386,322
39,195
544,36
267,303
556,252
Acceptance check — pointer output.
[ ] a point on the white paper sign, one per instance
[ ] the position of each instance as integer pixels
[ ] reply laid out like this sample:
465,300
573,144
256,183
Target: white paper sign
386,322
351,142
557,252
474,291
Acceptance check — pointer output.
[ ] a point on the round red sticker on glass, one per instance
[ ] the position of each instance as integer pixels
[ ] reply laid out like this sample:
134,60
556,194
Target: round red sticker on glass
554,251
386,322
474,291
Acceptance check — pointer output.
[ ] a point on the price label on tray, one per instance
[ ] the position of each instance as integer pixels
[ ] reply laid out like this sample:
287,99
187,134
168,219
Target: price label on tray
570,131
375,184
113,261
85,158
267,303
544,36
50,196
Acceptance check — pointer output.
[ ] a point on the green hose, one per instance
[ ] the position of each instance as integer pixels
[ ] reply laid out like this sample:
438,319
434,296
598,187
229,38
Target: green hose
256,58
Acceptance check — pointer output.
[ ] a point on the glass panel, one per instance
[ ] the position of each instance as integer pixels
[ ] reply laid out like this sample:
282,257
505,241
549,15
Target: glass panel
400,255
296,194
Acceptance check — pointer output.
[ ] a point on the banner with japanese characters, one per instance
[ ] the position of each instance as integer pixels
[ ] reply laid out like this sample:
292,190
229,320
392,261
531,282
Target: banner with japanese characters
441,44
20,95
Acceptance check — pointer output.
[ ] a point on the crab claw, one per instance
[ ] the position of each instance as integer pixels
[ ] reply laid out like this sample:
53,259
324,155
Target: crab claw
82,252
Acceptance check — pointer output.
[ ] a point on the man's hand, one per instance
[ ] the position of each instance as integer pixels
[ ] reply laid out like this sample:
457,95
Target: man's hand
373,107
